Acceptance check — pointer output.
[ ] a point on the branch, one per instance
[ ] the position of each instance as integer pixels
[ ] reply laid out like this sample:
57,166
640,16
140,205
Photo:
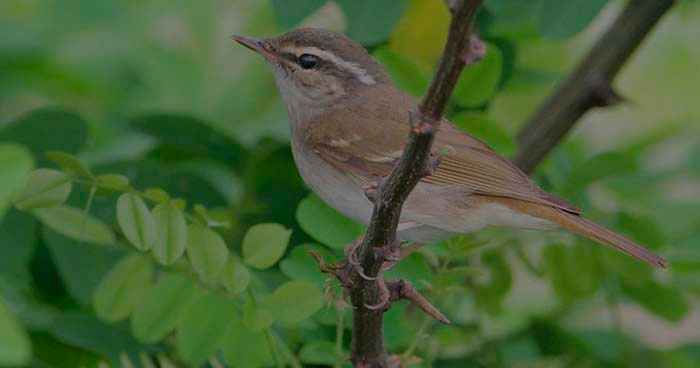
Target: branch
590,84
368,343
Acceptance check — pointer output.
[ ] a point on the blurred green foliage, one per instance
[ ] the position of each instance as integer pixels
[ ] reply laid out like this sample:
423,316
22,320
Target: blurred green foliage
151,213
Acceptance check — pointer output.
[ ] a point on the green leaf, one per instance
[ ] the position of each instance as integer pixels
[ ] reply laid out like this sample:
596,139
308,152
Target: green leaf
319,353
243,347
163,308
45,188
157,195
235,276
204,327
407,75
573,271
642,229
488,130
115,182
663,301
299,264
171,239
15,346
291,13
264,245
207,252
257,317
15,164
479,82
490,295
325,224
123,288
364,26
75,223
562,19
294,301
136,221
48,129
598,167
69,164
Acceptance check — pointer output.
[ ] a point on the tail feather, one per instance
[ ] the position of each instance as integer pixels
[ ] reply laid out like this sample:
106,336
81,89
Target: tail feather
581,226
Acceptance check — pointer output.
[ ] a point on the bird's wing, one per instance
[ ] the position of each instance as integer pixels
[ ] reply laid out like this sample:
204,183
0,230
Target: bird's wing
366,139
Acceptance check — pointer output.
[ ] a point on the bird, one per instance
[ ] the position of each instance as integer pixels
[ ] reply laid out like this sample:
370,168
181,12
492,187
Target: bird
349,124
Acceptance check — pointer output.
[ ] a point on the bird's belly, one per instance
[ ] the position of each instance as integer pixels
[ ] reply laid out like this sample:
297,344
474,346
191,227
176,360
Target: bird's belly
338,190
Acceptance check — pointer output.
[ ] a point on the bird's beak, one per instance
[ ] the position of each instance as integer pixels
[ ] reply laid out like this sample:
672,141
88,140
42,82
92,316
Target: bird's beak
255,44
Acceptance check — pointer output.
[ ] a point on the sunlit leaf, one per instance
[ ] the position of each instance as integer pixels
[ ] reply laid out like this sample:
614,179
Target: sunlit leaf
171,239
420,34
235,276
163,308
75,223
113,182
15,164
123,288
204,327
69,164
207,252
136,221
325,224
294,301
264,244
15,346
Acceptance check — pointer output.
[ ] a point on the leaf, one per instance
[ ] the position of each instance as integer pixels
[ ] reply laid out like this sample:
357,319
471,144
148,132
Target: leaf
325,224
204,327
115,182
299,265
562,19
573,271
243,347
418,35
235,276
69,164
15,346
257,317
47,129
598,167
123,288
642,229
264,245
15,165
479,82
407,75
136,221
76,224
45,188
487,130
663,301
490,295
18,241
319,353
291,13
171,239
163,308
294,301
364,26
207,252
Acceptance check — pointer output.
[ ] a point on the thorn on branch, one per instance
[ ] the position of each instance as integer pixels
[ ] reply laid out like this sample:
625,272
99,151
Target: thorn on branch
476,50
402,289
603,94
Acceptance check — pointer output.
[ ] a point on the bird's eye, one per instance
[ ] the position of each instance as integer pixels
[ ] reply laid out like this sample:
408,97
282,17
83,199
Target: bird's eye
308,61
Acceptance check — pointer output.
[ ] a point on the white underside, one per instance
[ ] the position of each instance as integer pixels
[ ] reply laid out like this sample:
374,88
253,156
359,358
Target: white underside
431,212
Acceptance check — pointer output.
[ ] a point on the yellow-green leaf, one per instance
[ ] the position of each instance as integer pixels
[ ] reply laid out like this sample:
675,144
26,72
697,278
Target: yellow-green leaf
294,301
207,252
45,188
264,244
123,288
171,237
15,165
235,276
69,163
136,221
15,346
76,224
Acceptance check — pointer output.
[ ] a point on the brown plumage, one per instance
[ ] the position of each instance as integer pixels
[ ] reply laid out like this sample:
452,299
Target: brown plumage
350,124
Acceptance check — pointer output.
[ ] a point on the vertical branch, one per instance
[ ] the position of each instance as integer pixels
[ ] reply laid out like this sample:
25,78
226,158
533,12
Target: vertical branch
590,84
368,342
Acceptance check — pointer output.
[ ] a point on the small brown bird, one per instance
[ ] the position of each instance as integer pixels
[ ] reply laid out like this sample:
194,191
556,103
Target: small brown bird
349,125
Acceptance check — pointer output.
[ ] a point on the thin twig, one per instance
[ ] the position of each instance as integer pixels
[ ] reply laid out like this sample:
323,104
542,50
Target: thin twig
590,84
367,343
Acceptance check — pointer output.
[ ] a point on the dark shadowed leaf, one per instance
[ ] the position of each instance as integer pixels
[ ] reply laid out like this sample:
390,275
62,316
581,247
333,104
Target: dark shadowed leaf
561,19
364,26
319,353
663,301
291,13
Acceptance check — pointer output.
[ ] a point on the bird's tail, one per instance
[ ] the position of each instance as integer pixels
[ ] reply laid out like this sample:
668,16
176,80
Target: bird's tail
588,229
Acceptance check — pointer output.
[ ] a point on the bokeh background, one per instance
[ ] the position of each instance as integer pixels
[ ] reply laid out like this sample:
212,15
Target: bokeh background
156,91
